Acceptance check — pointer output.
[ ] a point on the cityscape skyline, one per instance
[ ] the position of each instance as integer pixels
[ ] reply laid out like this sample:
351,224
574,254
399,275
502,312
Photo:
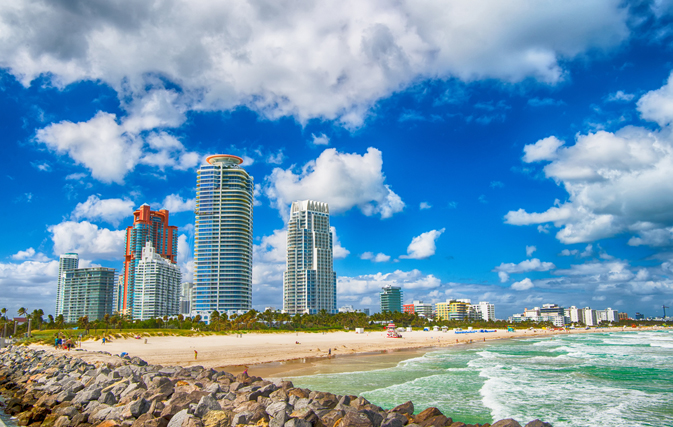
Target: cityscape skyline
528,163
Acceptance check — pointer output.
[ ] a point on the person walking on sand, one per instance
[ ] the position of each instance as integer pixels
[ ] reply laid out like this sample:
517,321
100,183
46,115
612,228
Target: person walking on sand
103,341
196,354
245,370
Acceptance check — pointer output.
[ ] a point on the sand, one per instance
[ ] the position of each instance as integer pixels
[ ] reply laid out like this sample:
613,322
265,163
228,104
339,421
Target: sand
222,351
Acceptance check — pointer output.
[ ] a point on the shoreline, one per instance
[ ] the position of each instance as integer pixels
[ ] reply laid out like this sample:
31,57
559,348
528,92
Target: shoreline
275,353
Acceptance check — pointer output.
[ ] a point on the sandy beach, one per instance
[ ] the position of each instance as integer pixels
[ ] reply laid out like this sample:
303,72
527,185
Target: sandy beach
233,351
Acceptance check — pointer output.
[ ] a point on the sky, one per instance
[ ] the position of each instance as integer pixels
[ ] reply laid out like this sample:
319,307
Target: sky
517,152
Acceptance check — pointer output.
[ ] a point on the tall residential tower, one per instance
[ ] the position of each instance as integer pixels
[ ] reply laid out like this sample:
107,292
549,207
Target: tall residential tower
66,262
157,286
223,237
309,282
148,226
391,298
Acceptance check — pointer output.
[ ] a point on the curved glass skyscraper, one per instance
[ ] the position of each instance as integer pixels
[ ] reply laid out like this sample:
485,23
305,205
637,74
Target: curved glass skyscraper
223,237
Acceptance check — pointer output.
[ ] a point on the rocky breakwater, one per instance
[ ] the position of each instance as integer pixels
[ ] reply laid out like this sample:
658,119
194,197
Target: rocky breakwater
47,389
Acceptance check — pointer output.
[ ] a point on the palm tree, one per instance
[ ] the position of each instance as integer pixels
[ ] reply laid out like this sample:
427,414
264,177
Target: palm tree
60,321
181,319
3,311
215,319
51,321
21,311
106,320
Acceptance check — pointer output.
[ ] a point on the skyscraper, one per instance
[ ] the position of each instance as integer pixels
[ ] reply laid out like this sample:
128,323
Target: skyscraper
309,281
87,292
223,237
66,262
391,298
157,286
148,226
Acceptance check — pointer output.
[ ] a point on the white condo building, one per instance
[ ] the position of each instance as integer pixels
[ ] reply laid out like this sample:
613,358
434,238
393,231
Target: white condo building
223,237
485,310
309,281
590,318
576,314
157,286
67,262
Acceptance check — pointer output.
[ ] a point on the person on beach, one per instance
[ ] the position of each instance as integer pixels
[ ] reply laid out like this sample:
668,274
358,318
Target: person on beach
329,352
103,341
245,370
196,354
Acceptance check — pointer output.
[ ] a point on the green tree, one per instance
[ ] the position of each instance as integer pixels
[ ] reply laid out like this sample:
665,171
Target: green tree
60,321
3,311
215,319
106,320
21,311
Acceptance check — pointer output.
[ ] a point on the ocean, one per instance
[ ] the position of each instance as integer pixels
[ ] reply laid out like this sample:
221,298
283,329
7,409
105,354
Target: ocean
594,379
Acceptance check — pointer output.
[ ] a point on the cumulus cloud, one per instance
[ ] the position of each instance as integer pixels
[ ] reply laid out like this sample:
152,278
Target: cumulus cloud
185,258
31,254
617,181
30,284
111,211
88,240
338,251
321,139
620,96
371,283
311,60
524,266
379,257
175,203
342,180
522,285
423,246
110,149
530,250
425,205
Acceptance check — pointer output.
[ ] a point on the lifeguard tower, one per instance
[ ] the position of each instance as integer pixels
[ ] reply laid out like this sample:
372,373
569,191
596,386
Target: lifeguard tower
392,333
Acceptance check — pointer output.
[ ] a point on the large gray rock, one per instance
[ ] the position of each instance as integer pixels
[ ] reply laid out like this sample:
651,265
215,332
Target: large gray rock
241,418
139,407
276,408
394,419
107,398
538,423
206,404
298,422
85,396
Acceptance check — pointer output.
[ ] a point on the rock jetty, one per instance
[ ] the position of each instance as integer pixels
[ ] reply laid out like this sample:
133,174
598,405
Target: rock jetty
46,389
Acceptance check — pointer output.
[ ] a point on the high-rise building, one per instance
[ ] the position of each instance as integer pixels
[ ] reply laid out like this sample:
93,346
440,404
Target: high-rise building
420,308
391,298
88,292
66,262
223,237
186,298
157,286
309,280
487,311
148,226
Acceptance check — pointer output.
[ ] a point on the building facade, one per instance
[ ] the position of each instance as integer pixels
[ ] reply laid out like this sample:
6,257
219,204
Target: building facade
88,292
223,237
486,311
186,298
157,286
391,298
66,262
309,280
148,226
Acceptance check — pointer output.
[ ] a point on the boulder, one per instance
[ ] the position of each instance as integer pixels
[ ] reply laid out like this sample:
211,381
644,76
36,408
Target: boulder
507,422
217,418
107,398
395,419
241,418
296,422
206,404
537,423
405,408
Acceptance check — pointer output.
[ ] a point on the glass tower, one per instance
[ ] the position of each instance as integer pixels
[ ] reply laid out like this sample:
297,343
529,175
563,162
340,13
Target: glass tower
148,226
88,292
309,281
223,237
66,262
391,298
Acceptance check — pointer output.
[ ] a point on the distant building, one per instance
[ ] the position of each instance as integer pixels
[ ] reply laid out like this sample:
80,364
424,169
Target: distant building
391,298
88,292
66,262
148,226
575,314
590,318
408,308
223,237
186,295
639,316
157,286
623,316
309,280
484,311
461,309
612,315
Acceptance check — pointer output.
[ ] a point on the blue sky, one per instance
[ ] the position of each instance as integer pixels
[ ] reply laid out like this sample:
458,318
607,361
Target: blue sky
512,152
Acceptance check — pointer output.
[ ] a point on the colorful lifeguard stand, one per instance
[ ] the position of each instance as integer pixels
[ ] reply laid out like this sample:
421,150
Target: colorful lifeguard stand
392,333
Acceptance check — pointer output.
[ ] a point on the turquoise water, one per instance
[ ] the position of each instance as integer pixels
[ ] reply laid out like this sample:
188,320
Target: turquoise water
598,379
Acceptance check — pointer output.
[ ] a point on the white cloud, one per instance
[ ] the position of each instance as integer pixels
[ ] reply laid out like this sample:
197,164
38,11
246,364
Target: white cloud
497,184
30,284
311,60
110,150
41,166
423,246
75,176
617,181
530,250
87,240
185,258
657,105
342,180
544,149
372,283
658,237
111,211
523,285
175,203
275,159
504,277
525,266
379,257
321,139
269,262
620,96
568,252
338,251
31,254
425,205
